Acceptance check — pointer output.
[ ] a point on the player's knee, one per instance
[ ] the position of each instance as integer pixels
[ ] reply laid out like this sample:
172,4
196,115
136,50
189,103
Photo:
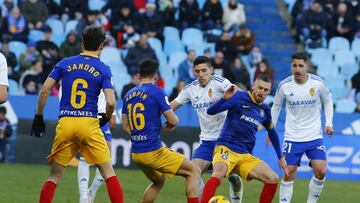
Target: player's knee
159,182
195,171
320,173
273,178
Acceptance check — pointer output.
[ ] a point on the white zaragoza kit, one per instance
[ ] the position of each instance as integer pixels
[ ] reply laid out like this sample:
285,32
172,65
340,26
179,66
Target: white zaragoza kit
303,108
201,98
3,71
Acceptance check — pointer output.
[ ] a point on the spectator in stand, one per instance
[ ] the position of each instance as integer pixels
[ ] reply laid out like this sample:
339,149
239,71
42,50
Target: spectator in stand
186,68
6,8
160,82
189,14
71,46
32,75
11,61
313,25
176,90
264,68
35,12
168,10
130,37
234,16
48,51
211,15
220,65
53,8
139,52
140,5
28,57
342,22
15,27
243,39
225,45
152,22
89,19
73,9
255,57
135,79
356,25
5,133
239,75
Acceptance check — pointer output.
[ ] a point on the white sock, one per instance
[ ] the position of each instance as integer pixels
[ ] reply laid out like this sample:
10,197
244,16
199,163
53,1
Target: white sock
83,179
201,187
315,188
96,184
236,188
286,191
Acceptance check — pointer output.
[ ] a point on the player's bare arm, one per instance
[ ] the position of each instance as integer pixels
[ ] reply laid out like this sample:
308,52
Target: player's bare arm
43,95
171,120
110,102
175,105
125,124
3,93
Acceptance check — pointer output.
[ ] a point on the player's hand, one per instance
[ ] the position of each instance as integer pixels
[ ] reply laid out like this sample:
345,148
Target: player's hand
283,165
329,130
103,119
38,126
168,127
267,141
230,92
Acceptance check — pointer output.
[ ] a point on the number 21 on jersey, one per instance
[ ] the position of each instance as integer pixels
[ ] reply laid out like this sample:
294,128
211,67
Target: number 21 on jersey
136,119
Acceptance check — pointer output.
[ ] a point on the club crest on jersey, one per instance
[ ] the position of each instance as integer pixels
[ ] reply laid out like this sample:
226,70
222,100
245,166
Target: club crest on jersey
312,91
210,92
262,113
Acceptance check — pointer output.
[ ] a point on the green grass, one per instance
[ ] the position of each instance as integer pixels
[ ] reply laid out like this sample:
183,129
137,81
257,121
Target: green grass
22,183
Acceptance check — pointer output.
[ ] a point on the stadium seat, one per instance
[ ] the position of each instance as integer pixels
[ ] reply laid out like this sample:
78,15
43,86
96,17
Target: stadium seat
58,38
339,44
345,106
155,43
13,87
192,36
171,33
161,58
96,4
35,35
334,81
198,48
70,25
339,93
344,57
110,54
321,55
211,46
355,48
172,46
17,47
176,58
201,3
325,69
56,25
348,70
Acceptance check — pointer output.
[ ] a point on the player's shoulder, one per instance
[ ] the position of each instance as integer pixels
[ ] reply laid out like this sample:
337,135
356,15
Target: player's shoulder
316,79
193,84
2,61
218,79
2,57
285,81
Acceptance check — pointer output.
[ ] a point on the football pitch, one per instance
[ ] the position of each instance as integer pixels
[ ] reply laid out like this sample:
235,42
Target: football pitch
22,183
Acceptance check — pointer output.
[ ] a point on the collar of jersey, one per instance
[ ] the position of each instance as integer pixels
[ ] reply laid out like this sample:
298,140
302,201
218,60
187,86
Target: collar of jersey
253,99
85,53
145,83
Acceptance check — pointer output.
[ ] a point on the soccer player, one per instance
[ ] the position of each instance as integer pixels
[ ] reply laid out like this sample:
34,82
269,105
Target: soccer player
4,83
83,76
141,113
84,168
246,113
303,95
201,93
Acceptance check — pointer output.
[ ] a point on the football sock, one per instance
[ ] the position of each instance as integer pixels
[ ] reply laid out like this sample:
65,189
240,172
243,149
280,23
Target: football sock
201,187
47,192
268,193
210,189
315,188
286,191
83,179
114,189
236,188
192,200
96,184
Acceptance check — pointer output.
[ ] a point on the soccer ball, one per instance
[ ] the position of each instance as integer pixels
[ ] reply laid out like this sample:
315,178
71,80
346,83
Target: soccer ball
219,199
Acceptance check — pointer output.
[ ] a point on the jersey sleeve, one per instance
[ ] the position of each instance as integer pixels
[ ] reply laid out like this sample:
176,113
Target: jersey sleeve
268,124
3,71
226,84
123,109
107,82
278,102
162,100
56,72
326,99
183,96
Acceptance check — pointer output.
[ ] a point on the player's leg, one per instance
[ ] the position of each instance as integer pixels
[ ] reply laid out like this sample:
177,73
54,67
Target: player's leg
236,188
157,182
192,174
48,189
317,157
83,174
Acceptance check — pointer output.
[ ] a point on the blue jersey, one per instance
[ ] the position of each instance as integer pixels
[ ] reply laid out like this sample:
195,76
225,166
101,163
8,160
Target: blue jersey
243,120
82,76
143,106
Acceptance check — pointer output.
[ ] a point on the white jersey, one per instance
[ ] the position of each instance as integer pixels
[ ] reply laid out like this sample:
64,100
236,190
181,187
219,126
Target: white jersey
3,71
303,104
201,98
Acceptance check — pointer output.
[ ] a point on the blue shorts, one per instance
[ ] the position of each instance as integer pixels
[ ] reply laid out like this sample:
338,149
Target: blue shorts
106,131
315,150
205,150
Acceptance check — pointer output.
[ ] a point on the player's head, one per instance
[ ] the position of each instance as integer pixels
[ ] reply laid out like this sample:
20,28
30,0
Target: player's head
299,66
93,38
261,88
148,69
203,70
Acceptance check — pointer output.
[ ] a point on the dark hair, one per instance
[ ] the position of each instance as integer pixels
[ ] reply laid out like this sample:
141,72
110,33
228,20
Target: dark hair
148,67
264,78
92,37
3,110
300,56
202,59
